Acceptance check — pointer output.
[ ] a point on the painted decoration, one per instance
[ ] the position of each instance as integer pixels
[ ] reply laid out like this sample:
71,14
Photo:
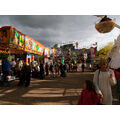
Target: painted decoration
33,46
41,50
37,47
22,40
5,36
13,38
10,35
17,38
27,44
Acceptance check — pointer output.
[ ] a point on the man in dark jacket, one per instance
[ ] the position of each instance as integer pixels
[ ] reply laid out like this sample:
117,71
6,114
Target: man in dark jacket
6,68
52,70
83,67
28,75
42,71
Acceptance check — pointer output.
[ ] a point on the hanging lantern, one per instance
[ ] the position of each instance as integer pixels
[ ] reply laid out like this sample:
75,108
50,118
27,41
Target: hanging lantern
105,25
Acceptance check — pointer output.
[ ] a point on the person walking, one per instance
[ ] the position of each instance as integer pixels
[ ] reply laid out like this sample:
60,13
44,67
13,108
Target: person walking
47,69
13,65
41,71
103,79
64,70
56,70
52,70
83,66
22,74
67,67
28,75
61,70
18,69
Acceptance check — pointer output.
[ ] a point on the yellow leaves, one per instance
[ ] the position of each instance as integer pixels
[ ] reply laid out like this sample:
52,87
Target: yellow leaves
105,51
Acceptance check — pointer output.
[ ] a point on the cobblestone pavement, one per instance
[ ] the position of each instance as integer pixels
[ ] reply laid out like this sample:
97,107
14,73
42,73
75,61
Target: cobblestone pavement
58,91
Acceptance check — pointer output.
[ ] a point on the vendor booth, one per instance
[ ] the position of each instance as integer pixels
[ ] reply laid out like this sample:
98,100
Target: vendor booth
13,42
18,46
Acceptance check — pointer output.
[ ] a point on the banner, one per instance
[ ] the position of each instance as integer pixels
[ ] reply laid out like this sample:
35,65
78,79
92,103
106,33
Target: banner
17,38
13,38
22,41
11,35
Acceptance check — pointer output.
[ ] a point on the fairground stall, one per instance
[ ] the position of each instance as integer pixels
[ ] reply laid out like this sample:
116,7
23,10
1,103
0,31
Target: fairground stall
18,45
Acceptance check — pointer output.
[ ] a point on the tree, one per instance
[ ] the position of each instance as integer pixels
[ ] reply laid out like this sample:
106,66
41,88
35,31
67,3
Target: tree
55,46
103,53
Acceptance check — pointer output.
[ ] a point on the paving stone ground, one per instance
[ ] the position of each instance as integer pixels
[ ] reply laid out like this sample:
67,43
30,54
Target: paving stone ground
58,91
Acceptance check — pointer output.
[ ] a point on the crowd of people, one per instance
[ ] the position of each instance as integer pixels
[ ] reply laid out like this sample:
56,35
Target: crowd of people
50,69
24,71
95,92
18,69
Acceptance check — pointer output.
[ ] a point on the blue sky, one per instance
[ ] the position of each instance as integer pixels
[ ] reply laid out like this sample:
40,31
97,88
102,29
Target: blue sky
53,29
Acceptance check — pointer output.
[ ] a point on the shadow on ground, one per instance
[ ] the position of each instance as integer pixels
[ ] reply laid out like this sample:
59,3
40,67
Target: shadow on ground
58,91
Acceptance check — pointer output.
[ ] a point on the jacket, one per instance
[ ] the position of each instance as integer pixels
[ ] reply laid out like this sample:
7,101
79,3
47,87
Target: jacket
88,98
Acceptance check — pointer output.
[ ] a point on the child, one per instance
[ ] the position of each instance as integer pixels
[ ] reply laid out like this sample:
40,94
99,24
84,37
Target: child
88,94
